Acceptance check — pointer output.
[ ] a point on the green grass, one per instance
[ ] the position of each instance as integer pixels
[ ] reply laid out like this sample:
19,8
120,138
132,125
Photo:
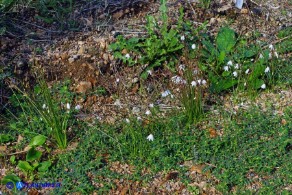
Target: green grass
252,141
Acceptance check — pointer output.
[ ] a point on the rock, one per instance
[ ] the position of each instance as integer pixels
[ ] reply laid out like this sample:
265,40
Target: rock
135,80
80,42
81,50
105,56
71,60
83,87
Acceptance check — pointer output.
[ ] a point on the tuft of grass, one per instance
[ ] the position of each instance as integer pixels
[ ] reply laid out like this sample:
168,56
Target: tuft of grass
42,113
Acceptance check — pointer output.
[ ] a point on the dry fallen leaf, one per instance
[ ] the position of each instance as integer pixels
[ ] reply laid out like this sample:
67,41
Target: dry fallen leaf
244,11
283,122
212,132
198,168
3,148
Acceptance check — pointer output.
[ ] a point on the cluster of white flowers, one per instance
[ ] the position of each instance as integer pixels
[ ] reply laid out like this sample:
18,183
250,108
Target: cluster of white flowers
182,67
198,82
178,80
165,93
272,49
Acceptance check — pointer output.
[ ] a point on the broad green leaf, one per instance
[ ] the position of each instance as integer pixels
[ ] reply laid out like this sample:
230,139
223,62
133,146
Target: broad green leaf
25,166
10,178
221,56
33,154
44,166
225,39
37,140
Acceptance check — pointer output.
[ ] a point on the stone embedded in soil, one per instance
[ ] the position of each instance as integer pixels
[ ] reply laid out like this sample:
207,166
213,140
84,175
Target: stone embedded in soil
83,87
81,50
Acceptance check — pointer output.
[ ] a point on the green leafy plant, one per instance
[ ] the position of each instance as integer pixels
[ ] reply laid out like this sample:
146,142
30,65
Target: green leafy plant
5,138
11,178
230,62
50,111
162,46
191,98
33,157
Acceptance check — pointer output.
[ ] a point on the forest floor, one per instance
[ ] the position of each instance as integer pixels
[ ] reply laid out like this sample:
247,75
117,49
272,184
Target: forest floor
111,93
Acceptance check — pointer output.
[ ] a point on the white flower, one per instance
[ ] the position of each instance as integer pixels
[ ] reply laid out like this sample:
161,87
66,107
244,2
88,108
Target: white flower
261,56
150,137
193,83
127,56
149,72
271,47
176,79
44,106
127,120
199,81
117,80
226,68
151,105
148,112
236,66
229,63
77,107
165,93
247,71
139,118
196,72
267,70
263,86
181,67
276,54
244,84
68,106
204,82
193,46
234,74
182,38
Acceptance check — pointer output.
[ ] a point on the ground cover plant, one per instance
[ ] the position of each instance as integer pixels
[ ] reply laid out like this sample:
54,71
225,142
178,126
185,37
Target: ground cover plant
182,104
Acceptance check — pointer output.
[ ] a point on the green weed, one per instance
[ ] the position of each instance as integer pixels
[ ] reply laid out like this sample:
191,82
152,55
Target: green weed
231,62
45,112
161,47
